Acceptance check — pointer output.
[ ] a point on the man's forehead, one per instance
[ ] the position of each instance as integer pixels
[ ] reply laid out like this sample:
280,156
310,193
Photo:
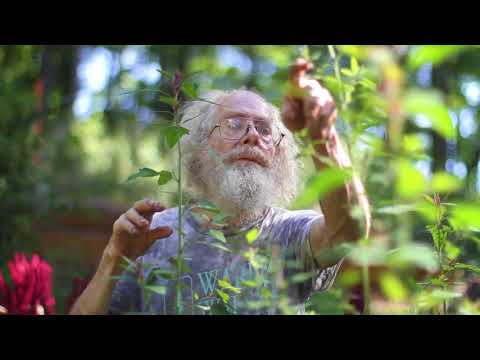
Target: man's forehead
245,103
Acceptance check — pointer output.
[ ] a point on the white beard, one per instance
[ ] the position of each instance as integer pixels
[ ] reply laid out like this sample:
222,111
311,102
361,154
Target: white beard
244,188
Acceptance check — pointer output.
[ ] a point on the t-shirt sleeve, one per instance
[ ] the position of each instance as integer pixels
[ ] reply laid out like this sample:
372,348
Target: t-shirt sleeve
295,228
126,294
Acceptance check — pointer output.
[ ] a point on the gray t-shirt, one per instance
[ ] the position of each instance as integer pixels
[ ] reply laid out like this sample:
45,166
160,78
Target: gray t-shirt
209,261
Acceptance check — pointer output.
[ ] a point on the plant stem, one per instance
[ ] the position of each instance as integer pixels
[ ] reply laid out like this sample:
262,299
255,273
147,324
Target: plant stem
366,289
180,234
336,67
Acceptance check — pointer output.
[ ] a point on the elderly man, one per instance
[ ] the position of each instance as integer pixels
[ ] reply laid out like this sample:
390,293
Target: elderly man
241,157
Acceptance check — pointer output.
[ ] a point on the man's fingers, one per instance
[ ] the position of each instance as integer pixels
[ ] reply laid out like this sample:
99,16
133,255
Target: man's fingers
123,224
136,218
161,232
298,70
147,206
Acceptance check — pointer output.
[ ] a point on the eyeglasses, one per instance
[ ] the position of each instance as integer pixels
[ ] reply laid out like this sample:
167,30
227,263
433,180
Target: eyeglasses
235,128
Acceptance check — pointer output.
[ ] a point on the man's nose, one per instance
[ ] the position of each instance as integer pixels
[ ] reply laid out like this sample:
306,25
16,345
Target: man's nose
251,137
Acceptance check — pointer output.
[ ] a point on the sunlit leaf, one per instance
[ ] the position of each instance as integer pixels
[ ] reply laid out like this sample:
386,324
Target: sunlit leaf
347,72
434,54
145,172
173,134
429,103
410,181
393,287
443,182
412,144
321,184
224,284
466,216
165,177
349,278
452,251
252,236
354,65
223,295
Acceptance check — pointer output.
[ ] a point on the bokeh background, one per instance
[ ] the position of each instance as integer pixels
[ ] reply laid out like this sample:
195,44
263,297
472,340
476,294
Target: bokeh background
76,121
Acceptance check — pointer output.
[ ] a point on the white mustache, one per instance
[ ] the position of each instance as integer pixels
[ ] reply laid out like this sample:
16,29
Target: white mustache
249,152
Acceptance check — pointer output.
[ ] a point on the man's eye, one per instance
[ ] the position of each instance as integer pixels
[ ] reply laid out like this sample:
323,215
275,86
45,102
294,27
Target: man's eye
265,131
234,124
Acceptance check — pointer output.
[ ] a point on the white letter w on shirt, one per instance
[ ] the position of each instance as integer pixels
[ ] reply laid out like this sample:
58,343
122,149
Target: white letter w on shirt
208,280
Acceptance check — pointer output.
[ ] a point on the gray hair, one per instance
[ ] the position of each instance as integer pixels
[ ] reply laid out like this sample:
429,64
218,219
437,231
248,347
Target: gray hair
198,117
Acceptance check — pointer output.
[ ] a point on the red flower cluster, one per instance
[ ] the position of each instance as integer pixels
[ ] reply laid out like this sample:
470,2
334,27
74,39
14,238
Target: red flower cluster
31,292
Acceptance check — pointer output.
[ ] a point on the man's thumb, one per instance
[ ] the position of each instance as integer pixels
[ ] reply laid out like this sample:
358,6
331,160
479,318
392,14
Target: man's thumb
160,232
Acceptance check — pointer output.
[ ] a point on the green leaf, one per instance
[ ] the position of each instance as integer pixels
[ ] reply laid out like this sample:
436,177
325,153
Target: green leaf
223,295
145,172
327,303
184,268
410,181
408,255
451,250
224,284
443,182
252,236
161,290
321,184
301,277
347,72
466,216
429,103
215,245
168,100
434,54
460,266
165,73
166,274
393,287
190,90
173,134
249,283
354,65
412,144
165,177
331,51
207,205
217,234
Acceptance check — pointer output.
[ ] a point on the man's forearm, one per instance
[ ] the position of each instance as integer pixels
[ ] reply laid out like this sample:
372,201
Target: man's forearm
339,224
95,299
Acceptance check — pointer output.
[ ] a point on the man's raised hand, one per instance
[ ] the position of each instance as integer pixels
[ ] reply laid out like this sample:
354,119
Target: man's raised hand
308,105
131,231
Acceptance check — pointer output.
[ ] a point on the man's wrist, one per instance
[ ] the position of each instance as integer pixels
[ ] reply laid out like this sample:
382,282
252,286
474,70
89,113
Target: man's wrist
111,259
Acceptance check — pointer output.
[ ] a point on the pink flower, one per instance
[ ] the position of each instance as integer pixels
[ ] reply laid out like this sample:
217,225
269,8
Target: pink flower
31,292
